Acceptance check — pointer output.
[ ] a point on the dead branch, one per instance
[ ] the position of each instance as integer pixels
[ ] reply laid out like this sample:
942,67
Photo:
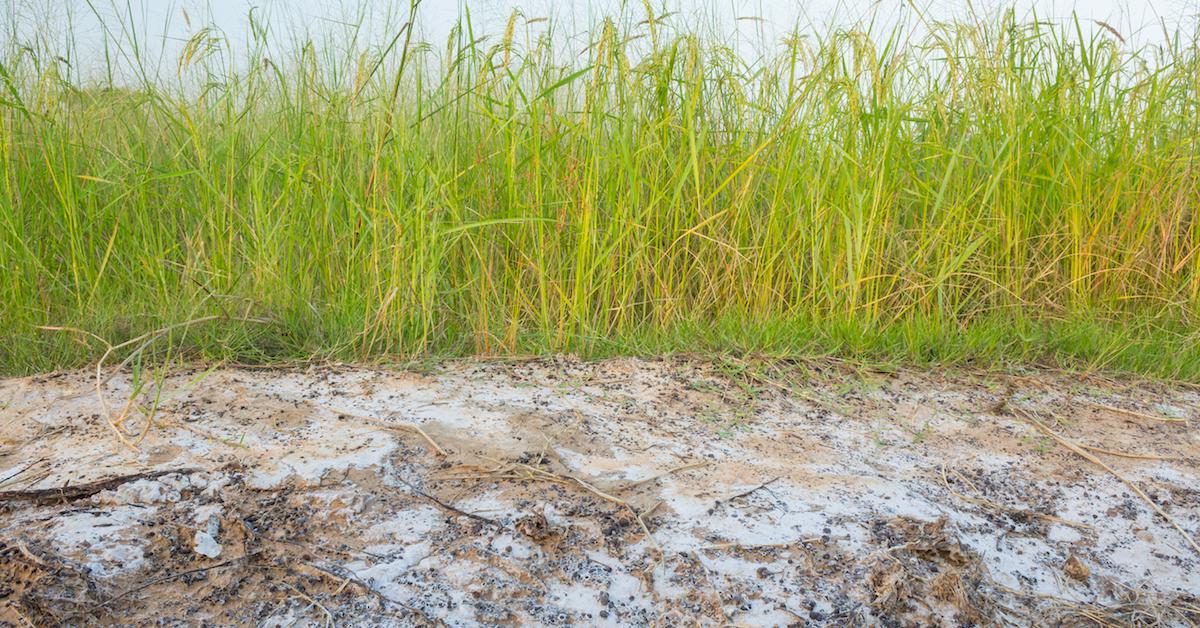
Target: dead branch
62,494
447,507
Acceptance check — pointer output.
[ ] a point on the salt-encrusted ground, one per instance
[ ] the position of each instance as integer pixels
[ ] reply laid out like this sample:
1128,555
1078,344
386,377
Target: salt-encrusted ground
625,492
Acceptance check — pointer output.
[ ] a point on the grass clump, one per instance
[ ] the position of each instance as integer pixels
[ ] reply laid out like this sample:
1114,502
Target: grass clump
1000,190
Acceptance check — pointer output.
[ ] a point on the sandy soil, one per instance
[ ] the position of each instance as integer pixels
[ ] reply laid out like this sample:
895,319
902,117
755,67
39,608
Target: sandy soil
624,492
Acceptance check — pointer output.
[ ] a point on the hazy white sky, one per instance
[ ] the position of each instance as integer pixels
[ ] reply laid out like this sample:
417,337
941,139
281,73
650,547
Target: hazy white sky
161,27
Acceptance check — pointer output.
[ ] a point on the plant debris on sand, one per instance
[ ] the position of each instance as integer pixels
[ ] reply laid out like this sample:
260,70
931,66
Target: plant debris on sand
626,492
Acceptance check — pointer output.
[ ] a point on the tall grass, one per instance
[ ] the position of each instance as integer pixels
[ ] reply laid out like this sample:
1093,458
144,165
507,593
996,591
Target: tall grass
1001,189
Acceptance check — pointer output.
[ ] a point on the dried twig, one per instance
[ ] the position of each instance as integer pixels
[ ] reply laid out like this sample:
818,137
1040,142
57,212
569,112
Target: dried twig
8,478
145,341
757,546
1083,453
346,577
1132,413
1121,454
80,491
536,473
395,425
182,574
444,506
987,503
658,476
312,602
747,493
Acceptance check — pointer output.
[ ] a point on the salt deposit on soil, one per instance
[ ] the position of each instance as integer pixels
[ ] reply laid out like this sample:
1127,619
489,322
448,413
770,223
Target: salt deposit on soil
625,492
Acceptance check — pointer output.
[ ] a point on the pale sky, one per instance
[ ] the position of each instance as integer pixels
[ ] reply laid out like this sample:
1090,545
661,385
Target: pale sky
160,25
